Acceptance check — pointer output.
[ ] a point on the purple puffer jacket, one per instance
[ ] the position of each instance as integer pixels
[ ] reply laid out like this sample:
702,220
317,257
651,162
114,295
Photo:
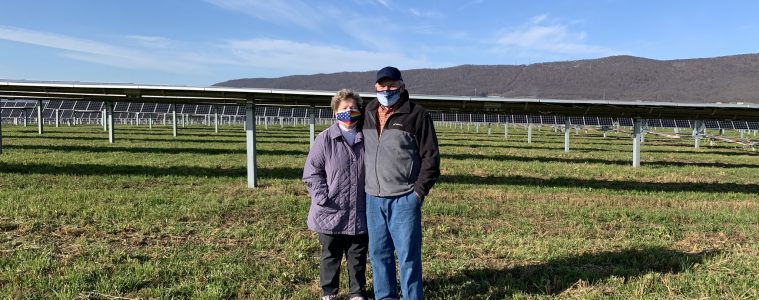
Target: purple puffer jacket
334,175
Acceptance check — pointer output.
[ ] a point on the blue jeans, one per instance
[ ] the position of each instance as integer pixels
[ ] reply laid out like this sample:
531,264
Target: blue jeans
395,225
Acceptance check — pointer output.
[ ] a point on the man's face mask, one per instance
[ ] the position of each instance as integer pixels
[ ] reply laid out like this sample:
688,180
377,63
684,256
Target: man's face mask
389,97
348,118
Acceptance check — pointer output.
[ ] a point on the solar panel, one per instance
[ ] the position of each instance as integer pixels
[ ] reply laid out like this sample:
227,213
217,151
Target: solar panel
519,119
726,124
303,112
48,113
576,120
625,122
54,104
203,109
80,105
186,108
67,105
668,123
121,106
753,125
95,105
491,118
272,112
163,108
740,125
260,109
605,121
592,121
325,113
683,124
713,124
148,108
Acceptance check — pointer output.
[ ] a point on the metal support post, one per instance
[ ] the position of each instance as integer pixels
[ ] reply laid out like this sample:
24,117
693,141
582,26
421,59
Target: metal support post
174,119
111,123
506,130
40,121
312,125
250,134
529,130
567,130
57,118
216,122
637,136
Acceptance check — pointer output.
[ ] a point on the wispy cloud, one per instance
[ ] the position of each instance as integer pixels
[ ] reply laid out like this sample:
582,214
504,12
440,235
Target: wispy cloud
264,56
156,42
551,38
360,28
279,12
424,13
94,51
467,4
297,57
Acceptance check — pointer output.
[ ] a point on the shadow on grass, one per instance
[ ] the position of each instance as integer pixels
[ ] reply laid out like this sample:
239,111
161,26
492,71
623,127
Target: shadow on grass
168,138
139,170
542,159
558,275
546,146
155,150
568,182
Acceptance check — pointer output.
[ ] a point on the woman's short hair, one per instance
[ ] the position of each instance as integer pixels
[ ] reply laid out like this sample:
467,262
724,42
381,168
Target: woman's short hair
343,95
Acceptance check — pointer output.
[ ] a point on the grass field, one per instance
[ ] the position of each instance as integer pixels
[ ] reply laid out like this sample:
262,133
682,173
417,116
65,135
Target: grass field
154,216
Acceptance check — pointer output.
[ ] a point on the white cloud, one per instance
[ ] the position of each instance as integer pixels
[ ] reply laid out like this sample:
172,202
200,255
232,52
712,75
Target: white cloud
316,18
552,39
263,56
296,57
278,12
93,51
424,14
156,42
384,3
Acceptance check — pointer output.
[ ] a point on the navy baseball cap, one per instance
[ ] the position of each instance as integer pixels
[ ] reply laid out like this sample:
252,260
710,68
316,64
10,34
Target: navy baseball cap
389,72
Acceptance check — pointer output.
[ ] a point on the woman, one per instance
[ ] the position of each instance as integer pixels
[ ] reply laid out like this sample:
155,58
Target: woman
334,175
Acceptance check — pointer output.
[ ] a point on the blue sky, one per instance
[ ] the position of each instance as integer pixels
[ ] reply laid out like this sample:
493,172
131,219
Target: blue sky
203,42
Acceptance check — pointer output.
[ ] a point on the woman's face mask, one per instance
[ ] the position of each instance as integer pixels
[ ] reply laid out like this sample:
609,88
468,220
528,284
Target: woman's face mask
348,118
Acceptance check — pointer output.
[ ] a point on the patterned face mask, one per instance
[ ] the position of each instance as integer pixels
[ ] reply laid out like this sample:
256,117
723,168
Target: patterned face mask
348,118
389,98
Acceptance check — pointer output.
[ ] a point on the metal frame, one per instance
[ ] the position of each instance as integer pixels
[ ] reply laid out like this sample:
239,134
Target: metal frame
130,93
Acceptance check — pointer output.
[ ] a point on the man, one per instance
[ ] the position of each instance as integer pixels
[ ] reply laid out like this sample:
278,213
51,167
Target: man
402,163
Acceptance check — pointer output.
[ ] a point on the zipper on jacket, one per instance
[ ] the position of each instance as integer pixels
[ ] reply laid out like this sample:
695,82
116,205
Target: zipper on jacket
379,139
374,116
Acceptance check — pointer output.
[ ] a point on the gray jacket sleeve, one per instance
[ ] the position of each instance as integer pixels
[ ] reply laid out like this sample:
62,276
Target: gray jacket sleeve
314,174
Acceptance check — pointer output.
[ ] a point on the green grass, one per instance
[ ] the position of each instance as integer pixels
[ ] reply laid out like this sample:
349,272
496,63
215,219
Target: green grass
154,216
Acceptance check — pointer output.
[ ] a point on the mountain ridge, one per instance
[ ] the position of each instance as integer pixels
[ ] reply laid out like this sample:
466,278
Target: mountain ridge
726,79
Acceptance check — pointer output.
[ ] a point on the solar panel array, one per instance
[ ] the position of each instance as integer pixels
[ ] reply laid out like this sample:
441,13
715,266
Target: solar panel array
92,110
